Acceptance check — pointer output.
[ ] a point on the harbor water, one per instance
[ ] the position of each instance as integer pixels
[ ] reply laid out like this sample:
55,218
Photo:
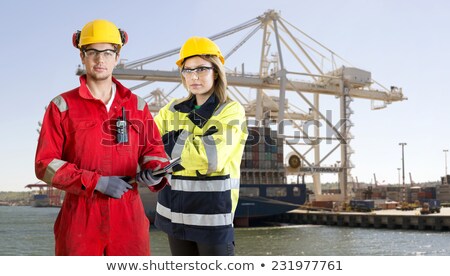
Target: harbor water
28,231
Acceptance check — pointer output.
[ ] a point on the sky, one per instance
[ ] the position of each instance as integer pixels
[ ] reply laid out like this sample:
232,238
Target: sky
402,43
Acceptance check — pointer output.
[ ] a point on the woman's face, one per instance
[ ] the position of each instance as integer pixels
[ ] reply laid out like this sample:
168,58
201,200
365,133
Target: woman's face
199,76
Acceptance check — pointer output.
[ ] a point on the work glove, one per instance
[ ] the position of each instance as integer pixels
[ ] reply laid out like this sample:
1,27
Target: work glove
210,131
146,177
112,186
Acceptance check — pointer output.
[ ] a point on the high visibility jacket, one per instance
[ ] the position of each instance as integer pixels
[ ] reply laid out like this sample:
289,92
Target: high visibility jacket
77,145
200,202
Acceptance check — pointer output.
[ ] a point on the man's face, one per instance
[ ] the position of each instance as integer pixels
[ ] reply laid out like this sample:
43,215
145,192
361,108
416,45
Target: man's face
99,60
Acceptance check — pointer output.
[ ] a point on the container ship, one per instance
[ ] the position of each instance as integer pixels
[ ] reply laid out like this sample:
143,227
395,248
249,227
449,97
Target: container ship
45,195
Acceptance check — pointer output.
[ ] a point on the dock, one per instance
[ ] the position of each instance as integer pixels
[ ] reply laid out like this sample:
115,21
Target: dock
388,219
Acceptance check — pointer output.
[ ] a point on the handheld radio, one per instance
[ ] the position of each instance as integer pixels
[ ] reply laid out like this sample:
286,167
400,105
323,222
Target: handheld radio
122,132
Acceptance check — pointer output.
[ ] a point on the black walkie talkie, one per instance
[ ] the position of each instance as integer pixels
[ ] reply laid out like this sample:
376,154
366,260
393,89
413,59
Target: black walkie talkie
122,133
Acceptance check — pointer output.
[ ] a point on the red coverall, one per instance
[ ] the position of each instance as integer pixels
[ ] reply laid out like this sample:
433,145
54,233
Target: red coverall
76,146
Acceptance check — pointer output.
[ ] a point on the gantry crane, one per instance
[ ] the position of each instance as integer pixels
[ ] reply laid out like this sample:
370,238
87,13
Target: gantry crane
296,103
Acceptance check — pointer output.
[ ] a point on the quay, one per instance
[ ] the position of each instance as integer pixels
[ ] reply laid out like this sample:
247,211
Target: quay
388,219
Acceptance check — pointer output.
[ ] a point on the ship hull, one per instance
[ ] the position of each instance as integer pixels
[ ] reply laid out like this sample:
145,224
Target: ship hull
40,200
256,204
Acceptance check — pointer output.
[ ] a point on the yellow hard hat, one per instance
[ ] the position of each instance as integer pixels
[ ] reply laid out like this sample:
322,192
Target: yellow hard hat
195,46
99,31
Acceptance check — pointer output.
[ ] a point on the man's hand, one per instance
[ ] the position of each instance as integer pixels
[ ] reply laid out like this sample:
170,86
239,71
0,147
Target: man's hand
112,186
146,177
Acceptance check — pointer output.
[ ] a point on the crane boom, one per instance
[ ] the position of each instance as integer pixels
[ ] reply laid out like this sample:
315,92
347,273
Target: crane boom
301,113
271,83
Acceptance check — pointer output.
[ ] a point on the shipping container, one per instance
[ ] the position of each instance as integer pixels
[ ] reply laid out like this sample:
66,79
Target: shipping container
362,205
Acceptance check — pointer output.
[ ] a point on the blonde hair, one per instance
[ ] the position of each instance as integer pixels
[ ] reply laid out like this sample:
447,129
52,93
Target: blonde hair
220,78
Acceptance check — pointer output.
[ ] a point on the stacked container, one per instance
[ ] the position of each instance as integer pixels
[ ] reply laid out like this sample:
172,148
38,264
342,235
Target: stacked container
262,161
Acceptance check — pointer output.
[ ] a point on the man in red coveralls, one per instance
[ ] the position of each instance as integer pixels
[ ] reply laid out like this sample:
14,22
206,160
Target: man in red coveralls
91,136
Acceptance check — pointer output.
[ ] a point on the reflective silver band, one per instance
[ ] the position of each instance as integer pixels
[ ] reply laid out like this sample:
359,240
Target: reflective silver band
221,106
179,144
204,186
172,106
60,103
141,103
211,152
195,219
153,158
51,170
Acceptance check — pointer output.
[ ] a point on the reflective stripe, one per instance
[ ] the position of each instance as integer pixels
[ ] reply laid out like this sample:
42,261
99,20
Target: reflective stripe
235,183
141,103
204,186
211,152
60,103
194,219
179,144
153,158
51,170
175,102
222,106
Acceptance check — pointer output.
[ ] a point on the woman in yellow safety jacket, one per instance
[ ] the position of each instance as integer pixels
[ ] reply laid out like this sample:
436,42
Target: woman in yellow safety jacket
208,131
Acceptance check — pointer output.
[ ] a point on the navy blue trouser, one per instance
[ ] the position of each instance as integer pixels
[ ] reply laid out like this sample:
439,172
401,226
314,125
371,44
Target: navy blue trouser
191,248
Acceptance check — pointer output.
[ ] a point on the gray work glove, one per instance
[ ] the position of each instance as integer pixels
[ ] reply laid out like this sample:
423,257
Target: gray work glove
112,186
146,177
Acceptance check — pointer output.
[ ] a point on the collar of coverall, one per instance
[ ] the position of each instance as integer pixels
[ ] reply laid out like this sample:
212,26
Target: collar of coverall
123,92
